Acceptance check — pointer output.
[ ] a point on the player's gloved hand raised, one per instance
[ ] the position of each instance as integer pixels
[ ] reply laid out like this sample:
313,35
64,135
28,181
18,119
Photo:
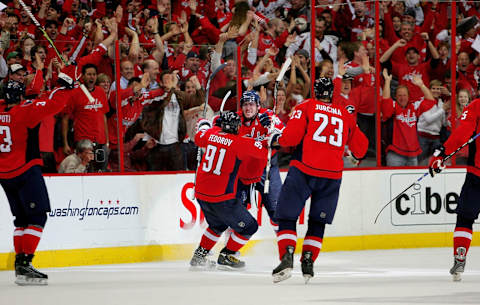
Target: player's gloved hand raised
265,119
273,141
65,81
436,162
203,124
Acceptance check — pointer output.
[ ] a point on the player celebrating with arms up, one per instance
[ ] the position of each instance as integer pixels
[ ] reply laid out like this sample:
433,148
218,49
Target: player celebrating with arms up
255,124
320,131
468,207
216,187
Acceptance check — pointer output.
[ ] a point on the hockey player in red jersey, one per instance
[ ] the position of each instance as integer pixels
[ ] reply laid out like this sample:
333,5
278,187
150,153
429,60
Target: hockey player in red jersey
468,207
320,131
20,174
255,124
216,187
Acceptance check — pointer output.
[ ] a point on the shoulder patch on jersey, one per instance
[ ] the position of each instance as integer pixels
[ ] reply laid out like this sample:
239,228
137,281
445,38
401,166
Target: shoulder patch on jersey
350,109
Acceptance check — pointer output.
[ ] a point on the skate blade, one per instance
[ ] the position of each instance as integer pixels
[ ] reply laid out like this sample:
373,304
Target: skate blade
282,275
22,280
229,268
307,278
456,276
208,267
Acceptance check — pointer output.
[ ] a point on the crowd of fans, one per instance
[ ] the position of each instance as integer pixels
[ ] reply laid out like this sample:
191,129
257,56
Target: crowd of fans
168,50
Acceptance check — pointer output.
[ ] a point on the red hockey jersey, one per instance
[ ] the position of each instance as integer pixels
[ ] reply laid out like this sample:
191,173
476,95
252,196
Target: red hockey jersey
19,148
321,131
405,138
217,174
469,126
251,169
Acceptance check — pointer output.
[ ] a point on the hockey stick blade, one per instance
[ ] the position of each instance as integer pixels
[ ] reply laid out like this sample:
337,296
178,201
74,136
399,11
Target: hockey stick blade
285,66
225,98
426,174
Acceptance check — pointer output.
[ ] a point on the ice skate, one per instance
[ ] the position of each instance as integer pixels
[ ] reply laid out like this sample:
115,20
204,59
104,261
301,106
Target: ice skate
200,260
26,274
284,270
459,264
307,266
229,262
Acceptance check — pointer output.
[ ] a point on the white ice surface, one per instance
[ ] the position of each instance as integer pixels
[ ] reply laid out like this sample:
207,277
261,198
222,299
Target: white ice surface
414,276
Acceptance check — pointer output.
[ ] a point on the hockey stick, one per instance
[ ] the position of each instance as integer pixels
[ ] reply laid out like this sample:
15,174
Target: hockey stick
283,70
225,98
42,29
426,174
207,89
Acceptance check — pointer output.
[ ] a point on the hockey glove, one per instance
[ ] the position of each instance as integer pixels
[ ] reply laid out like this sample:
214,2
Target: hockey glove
350,157
436,162
65,81
203,124
265,120
273,141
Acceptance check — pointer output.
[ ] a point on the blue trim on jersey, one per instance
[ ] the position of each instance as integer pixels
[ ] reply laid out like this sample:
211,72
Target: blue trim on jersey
232,179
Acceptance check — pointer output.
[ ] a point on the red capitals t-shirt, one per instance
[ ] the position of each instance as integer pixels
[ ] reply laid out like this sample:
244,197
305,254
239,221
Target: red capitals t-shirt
217,174
88,118
405,138
405,74
321,131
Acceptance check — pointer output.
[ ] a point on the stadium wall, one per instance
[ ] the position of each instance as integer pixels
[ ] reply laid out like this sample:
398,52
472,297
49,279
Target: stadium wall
104,219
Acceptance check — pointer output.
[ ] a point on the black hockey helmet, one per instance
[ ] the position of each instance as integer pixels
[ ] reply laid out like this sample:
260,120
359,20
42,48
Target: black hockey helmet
230,122
323,89
14,92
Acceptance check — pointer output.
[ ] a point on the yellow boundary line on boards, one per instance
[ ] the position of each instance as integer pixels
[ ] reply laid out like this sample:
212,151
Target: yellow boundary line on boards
135,254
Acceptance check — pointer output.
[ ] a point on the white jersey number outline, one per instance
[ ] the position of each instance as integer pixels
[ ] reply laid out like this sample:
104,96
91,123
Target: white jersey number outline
210,155
7,140
335,140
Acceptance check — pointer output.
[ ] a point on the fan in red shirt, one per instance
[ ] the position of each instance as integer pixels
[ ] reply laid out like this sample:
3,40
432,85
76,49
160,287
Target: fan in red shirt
468,207
21,176
405,148
405,70
89,120
132,101
320,131
216,185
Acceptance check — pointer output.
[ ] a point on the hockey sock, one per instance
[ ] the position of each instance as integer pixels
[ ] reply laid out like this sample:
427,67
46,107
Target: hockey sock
286,235
31,238
286,238
209,239
18,239
314,238
312,244
236,241
462,236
